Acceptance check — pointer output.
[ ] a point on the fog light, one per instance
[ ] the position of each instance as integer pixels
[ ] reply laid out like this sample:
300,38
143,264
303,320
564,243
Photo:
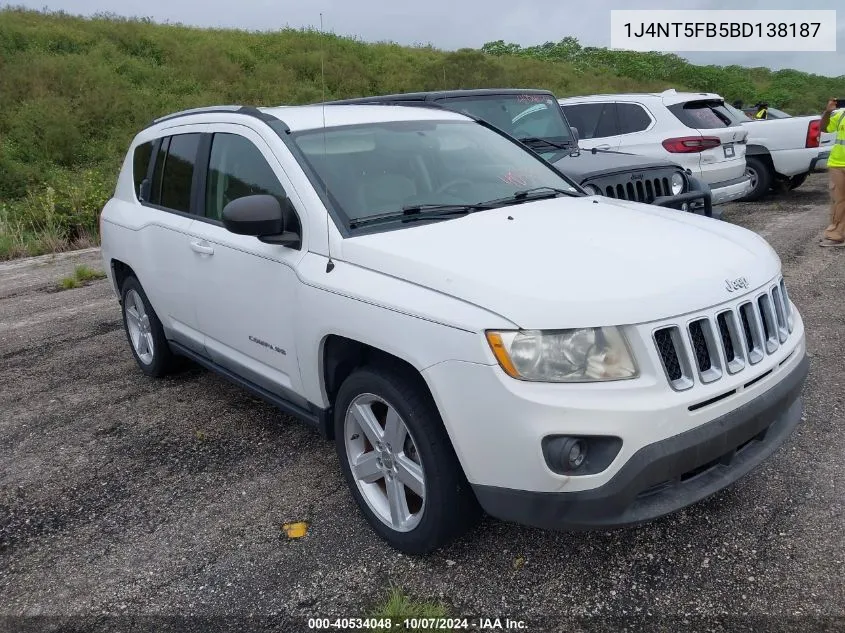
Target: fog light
567,455
573,453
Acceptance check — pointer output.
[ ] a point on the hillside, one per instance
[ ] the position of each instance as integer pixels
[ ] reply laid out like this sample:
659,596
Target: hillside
73,92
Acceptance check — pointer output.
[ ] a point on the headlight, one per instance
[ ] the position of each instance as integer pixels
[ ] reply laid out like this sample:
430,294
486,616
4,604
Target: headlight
677,183
580,355
592,190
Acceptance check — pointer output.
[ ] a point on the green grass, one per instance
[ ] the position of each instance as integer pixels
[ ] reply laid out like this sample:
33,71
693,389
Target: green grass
68,283
396,606
74,91
81,275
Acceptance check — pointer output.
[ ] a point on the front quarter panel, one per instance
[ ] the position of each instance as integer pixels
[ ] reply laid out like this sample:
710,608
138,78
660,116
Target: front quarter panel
418,325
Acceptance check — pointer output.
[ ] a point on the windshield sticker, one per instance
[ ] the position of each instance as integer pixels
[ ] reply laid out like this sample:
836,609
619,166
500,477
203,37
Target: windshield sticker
531,98
515,178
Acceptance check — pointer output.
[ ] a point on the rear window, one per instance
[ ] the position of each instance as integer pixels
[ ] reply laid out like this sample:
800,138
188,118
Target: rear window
632,118
702,115
140,163
774,113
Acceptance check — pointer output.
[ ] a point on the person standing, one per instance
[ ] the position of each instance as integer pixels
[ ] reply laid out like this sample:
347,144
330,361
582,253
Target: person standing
762,111
833,120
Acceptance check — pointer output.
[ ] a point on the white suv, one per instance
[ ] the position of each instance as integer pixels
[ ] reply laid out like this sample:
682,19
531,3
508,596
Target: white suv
472,330
693,130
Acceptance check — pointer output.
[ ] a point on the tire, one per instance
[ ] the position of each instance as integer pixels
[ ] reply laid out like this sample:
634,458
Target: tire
447,507
761,178
144,332
797,181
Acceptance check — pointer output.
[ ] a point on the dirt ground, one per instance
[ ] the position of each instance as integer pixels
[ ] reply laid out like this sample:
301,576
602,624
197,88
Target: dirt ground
130,503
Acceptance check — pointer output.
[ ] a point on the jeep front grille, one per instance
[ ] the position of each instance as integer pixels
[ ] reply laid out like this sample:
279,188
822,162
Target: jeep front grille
645,190
636,185
708,347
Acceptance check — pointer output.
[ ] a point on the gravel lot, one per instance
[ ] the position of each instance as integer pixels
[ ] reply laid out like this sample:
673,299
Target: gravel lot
130,503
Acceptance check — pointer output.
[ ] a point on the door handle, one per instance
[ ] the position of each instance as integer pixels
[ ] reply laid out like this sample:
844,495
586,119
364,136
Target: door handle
199,247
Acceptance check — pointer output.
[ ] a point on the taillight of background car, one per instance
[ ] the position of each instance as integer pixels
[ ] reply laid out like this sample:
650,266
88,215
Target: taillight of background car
814,133
690,144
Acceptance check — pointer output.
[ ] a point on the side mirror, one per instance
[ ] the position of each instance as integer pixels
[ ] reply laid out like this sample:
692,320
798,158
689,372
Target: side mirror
575,135
264,217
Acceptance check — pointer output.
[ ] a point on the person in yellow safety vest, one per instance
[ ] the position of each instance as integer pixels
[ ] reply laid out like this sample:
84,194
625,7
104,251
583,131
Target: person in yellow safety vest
762,111
833,120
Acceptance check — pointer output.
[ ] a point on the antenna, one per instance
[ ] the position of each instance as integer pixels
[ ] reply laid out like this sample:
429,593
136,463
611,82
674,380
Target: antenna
330,263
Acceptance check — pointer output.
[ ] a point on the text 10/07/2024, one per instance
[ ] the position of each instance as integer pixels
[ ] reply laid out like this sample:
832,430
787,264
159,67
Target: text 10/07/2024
418,624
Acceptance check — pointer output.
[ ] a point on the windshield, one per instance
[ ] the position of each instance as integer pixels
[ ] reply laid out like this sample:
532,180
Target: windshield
524,116
376,168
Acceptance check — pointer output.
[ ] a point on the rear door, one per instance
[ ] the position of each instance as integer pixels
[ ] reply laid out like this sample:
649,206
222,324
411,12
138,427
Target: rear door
168,268
710,119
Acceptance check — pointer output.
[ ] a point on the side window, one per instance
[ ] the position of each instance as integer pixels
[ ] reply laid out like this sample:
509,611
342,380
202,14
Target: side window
585,117
608,123
178,173
593,120
140,163
236,169
632,118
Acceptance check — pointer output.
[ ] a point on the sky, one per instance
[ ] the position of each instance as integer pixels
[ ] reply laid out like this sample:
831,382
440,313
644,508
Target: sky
453,24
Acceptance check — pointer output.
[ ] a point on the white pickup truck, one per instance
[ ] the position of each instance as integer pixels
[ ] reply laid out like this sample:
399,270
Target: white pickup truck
782,151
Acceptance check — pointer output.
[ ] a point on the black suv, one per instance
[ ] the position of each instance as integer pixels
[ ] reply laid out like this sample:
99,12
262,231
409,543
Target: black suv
534,117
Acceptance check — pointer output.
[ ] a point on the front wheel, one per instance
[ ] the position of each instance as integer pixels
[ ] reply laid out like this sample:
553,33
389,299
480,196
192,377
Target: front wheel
398,461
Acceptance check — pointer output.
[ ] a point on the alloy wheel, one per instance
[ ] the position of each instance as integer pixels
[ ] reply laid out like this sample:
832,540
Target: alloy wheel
385,462
138,325
752,173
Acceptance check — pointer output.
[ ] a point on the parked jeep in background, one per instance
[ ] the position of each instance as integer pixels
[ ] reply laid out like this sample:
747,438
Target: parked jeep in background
534,118
782,150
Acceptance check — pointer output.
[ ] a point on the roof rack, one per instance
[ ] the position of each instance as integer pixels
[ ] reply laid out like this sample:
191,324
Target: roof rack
252,111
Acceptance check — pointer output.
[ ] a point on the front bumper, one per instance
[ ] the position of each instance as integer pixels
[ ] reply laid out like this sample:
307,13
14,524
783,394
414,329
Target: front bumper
665,476
730,190
696,201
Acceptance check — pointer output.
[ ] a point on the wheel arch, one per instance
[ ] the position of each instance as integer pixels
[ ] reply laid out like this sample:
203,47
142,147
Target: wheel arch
762,154
340,356
120,272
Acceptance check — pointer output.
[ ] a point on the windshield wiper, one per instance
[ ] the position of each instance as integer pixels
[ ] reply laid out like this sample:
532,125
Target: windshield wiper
527,195
536,140
417,212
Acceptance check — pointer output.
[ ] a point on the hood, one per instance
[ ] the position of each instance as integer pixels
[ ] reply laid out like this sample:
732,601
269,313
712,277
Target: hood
583,165
573,262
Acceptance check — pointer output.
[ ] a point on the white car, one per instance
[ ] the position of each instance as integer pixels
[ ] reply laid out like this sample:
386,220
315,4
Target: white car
782,149
691,129
472,330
